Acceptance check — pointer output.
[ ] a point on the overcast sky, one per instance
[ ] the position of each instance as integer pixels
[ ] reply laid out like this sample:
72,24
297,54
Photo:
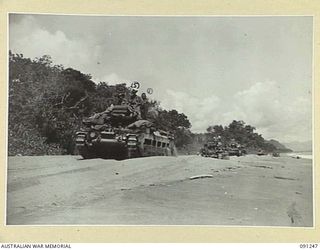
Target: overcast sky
213,69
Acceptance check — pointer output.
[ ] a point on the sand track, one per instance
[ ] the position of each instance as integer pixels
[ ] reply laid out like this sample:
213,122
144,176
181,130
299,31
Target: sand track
250,190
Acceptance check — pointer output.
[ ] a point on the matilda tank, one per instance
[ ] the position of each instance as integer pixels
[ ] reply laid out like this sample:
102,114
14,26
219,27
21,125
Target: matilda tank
118,133
235,149
214,149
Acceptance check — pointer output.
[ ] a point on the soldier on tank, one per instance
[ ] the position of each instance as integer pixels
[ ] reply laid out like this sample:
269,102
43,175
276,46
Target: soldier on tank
144,106
134,98
144,98
135,102
121,99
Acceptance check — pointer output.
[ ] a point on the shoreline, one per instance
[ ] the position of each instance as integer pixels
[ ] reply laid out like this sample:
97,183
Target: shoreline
303,155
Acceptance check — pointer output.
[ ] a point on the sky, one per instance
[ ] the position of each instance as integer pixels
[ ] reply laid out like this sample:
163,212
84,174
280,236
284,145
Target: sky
214,69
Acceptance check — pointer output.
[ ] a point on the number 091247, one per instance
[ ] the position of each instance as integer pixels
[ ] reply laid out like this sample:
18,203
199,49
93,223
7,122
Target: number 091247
309,245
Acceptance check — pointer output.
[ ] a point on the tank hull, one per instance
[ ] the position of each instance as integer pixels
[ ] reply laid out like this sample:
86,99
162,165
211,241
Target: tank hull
106,150
123,145
214,154
117,133
234,152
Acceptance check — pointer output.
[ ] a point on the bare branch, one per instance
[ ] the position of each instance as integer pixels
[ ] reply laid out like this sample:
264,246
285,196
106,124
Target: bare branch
79,102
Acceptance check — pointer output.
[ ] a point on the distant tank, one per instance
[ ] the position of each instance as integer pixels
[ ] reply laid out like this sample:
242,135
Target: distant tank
214,150
261,152
275,154
235,149
120,133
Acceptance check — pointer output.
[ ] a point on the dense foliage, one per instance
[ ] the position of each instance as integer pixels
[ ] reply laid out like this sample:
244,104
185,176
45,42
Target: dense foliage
241,133
47,104
178,123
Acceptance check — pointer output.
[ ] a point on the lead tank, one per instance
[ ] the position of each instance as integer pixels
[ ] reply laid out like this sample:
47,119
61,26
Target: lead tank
119,133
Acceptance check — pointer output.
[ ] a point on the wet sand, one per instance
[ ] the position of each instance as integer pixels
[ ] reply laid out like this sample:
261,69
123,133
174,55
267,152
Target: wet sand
246,191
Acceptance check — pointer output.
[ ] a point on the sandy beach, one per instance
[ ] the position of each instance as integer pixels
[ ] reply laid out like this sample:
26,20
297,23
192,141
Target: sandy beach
186,190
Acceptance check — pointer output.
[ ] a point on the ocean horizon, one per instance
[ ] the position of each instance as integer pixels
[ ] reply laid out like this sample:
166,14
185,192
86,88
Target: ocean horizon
301,154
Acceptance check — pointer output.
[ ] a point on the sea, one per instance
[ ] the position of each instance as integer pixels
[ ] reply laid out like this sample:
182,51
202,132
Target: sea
301,154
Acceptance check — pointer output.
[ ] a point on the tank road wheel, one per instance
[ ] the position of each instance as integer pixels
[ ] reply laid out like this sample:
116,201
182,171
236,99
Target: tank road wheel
85,153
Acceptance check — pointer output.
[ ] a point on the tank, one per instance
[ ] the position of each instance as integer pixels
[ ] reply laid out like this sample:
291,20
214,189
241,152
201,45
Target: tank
214,150
118,133
235,149
261,152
